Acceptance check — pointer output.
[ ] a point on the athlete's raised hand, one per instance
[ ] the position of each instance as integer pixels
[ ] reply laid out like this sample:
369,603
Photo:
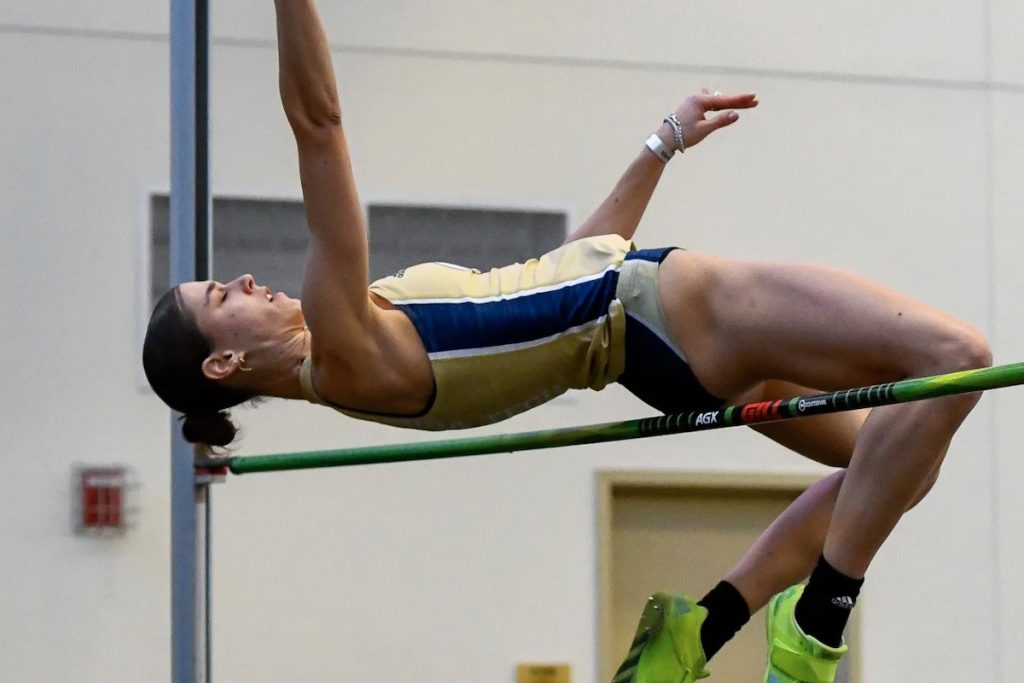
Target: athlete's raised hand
698,118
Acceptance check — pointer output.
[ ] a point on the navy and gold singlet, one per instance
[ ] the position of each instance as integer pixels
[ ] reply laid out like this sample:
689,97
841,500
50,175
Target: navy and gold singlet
506,340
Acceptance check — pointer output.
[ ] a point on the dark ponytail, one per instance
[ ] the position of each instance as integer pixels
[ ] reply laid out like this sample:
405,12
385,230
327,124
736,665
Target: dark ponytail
215,429
172,357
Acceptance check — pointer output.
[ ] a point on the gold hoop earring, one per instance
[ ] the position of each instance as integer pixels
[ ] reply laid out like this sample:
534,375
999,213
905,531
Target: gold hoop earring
241,363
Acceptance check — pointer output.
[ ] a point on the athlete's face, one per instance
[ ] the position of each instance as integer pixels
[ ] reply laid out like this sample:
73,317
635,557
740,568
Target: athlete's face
241,316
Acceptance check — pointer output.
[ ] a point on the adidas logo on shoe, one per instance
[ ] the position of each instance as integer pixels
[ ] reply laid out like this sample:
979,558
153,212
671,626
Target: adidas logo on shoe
843,602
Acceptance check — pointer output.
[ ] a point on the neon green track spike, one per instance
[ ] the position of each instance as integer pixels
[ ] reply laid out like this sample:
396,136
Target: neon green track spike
667,647
793,656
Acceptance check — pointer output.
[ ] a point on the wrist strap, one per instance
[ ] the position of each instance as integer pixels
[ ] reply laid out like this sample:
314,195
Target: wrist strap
655,144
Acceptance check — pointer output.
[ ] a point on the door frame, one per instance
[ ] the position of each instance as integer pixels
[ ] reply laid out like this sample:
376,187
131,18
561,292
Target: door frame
608,482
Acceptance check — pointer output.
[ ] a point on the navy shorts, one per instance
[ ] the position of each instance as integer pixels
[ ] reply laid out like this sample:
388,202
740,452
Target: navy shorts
656,369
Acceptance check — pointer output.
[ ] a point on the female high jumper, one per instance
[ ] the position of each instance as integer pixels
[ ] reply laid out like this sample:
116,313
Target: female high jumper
438,347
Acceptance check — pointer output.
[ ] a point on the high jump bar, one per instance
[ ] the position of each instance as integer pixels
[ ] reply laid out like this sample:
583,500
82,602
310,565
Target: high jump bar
903,391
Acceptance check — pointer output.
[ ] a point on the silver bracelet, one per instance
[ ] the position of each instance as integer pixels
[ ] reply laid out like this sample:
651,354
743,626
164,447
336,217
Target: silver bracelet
677,131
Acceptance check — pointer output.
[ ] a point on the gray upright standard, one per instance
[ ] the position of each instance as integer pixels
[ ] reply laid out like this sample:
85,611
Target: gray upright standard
190,260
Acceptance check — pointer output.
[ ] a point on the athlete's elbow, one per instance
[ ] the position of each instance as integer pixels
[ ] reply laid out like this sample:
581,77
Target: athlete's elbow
312,115
309,124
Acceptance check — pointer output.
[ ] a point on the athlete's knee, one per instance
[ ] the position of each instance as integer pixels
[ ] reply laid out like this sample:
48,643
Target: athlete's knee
964,348
974,350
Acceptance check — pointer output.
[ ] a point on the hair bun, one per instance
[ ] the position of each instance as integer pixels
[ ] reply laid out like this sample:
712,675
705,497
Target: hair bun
213,429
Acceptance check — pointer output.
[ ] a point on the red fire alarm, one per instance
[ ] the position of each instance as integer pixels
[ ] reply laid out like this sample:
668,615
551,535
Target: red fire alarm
101,497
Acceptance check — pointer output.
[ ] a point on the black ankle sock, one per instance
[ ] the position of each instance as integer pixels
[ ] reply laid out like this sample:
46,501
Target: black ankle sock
727,612
825,606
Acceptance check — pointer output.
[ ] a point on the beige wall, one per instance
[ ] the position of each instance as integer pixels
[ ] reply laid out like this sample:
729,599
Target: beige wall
888,142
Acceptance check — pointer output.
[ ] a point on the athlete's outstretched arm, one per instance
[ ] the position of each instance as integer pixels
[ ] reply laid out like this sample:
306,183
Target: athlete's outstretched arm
334,292
621,212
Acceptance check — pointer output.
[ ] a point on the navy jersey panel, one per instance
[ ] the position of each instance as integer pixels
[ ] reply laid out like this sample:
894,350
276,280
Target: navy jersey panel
445,326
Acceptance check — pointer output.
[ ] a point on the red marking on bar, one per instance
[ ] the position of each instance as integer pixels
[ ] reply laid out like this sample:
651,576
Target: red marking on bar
761,412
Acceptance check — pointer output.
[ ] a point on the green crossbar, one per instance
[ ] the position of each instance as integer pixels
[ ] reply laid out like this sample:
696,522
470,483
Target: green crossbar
904,391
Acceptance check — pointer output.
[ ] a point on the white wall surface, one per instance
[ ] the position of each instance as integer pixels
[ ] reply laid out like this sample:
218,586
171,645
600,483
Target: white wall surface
888,141
1008,283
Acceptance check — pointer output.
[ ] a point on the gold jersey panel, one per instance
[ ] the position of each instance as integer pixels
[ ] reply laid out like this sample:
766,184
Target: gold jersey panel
506,340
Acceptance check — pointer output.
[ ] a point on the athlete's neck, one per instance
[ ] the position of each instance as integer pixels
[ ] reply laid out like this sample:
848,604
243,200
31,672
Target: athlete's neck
281,379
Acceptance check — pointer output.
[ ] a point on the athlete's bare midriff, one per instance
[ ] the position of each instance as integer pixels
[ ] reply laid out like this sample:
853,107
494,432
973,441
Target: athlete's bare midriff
390,374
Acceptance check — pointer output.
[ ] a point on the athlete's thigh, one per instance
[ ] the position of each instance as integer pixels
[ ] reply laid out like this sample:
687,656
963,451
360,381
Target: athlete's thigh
742,322
828,439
